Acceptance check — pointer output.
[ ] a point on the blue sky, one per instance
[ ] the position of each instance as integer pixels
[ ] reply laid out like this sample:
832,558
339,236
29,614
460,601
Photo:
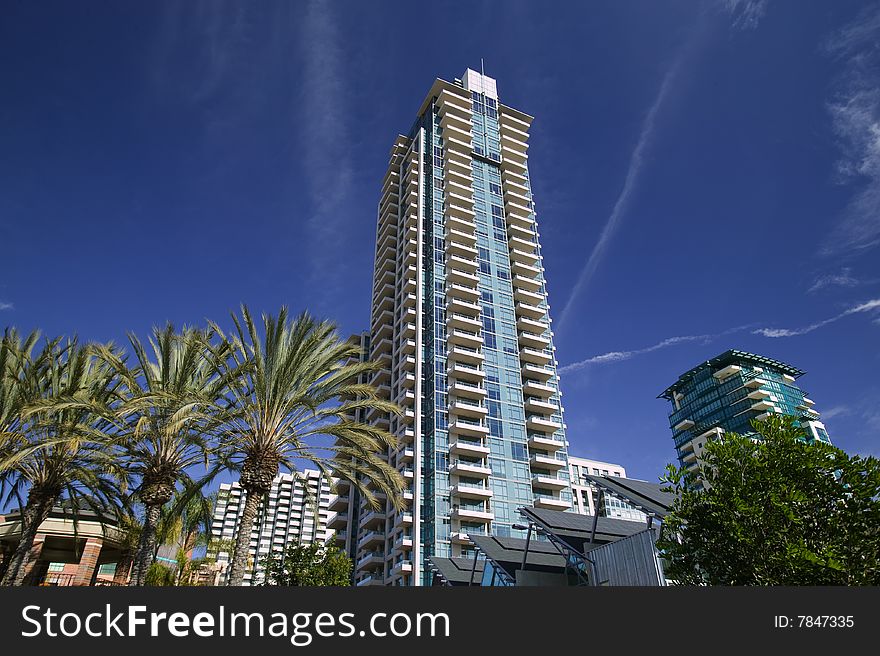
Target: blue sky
706,175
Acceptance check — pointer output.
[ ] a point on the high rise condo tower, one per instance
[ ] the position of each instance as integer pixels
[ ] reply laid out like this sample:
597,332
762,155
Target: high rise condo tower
461,324
729,391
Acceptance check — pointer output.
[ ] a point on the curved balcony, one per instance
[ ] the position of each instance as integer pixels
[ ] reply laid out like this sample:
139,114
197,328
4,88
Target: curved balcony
467,427
370,538
526,296
467,491
548,482
529,325
472,515
523,268
551,503
465,226
338,520
466,292
457,236
461,388
539,357
542,424
532,340
471,448
529,258
461,276
370,581
470,469
456,119
460,320
536,372
539,405
465,354
544,442
460,371
462,248
403,543
521,244
371,560
464,264
467,409
530,311
466,338
402,567
545,462
536,388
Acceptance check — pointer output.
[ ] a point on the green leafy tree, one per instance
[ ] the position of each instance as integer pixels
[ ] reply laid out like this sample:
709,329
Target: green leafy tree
159,575
308,565
776,510
61,448
186,522
298,382
175,391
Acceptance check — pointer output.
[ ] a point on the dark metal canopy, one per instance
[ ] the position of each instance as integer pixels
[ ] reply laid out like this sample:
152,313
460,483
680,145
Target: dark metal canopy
647,497
455,571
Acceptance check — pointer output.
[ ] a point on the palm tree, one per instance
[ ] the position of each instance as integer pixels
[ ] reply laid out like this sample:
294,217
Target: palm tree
296,381
16,378
186,523
175,389
64,447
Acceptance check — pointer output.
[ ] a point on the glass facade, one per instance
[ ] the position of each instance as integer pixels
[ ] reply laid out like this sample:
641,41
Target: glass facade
460,318
730,391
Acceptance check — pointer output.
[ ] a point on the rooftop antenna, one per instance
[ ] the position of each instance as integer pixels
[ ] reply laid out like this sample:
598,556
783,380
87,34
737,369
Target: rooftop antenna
482,72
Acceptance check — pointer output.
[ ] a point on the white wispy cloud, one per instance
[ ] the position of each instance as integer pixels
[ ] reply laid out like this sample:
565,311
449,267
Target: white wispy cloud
868,306
843,278
836,411
619,356
855,121
636,163
6,306
746,14
326,137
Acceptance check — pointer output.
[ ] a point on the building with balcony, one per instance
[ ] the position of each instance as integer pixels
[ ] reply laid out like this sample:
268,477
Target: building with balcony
727,393
79,548
296,510
585,493
461,324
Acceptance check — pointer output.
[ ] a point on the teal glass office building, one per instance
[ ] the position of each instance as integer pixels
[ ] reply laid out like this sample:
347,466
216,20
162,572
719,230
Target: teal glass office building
460,322
727,393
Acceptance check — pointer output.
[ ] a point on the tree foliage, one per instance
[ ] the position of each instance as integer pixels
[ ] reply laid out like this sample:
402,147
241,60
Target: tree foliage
95,426
309,565
777,510
299,384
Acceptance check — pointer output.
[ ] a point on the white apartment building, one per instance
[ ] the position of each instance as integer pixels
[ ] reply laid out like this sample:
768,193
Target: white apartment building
584,494
461,324
295,511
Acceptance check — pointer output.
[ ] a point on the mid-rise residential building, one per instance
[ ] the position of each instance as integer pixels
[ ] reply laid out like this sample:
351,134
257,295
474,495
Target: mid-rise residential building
729,391
294,511
460,322
584,493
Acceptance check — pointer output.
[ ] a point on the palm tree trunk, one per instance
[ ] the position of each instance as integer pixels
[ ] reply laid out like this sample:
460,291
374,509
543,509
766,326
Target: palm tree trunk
147,547
35,512
243,539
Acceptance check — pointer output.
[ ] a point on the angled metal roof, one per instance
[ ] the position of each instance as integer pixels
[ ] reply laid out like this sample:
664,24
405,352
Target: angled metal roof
575,529
456,571
731,356
507,553
647,497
